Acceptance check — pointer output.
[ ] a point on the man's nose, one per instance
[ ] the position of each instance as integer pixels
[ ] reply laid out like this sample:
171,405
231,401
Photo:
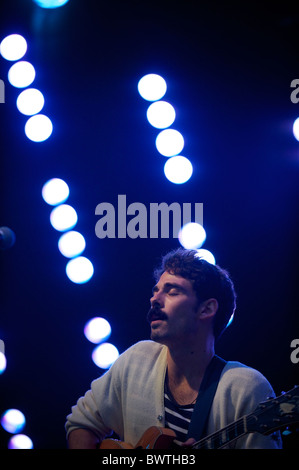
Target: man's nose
156,300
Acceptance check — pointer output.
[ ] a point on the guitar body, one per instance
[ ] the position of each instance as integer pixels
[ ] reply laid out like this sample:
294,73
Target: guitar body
153,438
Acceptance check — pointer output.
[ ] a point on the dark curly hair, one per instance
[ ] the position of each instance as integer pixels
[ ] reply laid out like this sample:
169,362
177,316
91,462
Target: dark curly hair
209,281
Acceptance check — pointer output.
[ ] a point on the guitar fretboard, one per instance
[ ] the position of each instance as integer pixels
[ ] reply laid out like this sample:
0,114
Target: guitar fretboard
224,436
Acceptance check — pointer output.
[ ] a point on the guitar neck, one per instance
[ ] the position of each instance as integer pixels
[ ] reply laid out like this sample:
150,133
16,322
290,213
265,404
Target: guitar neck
223,437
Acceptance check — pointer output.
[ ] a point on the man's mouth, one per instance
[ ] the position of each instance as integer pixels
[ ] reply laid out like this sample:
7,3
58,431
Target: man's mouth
155,313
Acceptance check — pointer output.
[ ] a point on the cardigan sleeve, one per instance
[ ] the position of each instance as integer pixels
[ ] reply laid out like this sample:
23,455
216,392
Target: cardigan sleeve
127,399
87,413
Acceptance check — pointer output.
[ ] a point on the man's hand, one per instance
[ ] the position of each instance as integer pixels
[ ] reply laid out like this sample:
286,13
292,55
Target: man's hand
82,439
189,442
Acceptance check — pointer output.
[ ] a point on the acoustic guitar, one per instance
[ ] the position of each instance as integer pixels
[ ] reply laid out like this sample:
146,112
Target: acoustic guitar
269,416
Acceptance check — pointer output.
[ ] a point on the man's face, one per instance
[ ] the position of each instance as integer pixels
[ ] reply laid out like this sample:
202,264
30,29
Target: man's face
174,310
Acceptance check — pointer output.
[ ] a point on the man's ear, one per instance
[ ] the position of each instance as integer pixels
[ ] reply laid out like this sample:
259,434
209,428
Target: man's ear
208,309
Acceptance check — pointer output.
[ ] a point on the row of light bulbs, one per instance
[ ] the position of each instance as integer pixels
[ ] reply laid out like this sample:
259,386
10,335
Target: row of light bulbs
161,114
21,75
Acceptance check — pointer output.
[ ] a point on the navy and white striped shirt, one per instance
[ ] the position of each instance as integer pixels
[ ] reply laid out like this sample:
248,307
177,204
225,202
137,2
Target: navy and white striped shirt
177,417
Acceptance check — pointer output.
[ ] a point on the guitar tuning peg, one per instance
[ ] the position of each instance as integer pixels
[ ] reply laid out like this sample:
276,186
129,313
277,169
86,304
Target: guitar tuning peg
286,432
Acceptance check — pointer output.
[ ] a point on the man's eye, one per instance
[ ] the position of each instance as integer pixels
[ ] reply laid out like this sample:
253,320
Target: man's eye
173,292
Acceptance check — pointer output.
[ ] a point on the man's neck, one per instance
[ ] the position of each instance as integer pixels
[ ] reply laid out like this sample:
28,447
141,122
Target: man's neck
189,364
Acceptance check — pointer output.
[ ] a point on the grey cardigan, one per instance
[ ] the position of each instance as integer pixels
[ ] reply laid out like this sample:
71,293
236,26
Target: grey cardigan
129,398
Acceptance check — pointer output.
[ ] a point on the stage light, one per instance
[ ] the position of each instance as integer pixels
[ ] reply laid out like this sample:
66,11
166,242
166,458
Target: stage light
178,169
21,74
160,114
192,235
206,255
55,191
296,129
13,421
63,217
7,238
230,320
20,441
13,47
97,330
169,142
105,355
2,362
50,3
152,87
30,101
79,270
38,128
71,244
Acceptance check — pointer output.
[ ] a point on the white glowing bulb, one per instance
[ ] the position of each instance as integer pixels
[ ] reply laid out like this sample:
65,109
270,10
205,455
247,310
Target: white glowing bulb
21,74
169,142
13,47
178,169
192,235
152,87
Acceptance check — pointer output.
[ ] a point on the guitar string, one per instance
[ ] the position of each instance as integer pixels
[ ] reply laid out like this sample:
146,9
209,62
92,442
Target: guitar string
213,438
250,419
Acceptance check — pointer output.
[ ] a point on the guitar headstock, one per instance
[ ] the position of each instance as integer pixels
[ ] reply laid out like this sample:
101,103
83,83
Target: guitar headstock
275,413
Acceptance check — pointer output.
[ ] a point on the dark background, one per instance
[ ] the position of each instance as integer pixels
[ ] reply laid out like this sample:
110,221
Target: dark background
228,66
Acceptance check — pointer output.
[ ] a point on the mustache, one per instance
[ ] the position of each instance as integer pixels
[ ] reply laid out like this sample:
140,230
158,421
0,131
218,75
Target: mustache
155,313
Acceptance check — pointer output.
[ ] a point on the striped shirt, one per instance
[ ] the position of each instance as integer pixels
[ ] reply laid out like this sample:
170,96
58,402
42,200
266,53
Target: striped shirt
177,417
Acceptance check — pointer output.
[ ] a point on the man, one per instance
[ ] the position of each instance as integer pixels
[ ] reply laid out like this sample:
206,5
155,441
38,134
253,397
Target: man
157,382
